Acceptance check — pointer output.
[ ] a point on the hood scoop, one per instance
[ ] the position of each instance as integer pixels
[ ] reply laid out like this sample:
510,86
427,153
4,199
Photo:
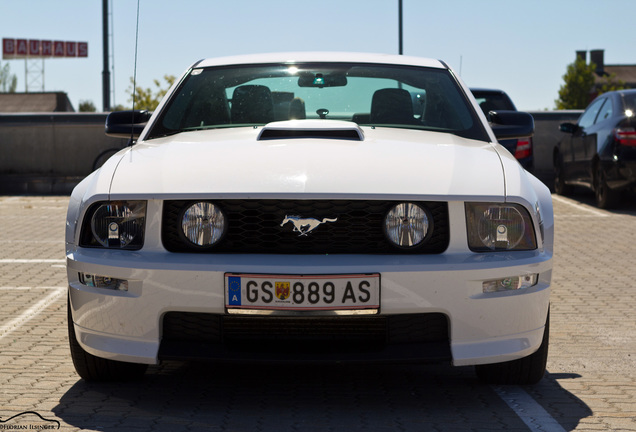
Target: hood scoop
317,129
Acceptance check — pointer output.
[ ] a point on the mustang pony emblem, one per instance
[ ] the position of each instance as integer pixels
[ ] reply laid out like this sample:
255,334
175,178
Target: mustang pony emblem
305,225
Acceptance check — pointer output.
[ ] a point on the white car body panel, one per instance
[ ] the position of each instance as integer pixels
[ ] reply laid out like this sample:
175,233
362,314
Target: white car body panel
165,166
196,285
228,163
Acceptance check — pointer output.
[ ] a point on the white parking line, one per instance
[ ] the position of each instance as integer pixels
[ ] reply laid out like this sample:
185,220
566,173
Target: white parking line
32,312
29,288
528,410
33,241
579,206
32,261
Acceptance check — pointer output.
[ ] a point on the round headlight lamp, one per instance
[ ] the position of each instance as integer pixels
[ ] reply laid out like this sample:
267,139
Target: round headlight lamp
203,224
406,225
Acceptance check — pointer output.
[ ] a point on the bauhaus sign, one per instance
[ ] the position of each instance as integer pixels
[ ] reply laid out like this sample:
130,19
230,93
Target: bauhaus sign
36,48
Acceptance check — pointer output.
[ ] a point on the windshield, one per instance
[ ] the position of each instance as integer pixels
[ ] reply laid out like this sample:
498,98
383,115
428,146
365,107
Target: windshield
629,101
493,101
367,94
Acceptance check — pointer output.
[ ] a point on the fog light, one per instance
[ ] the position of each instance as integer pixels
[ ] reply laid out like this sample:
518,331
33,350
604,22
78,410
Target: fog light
510,283
106,282
406,225
203,224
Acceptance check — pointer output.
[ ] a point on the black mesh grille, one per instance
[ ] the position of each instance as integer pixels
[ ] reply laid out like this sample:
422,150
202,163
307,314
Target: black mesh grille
389,329
254,226
307,329
420,337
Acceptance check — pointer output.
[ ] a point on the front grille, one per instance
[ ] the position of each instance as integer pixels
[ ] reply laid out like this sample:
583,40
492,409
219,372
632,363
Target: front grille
254,226
237,329
412,337
249,332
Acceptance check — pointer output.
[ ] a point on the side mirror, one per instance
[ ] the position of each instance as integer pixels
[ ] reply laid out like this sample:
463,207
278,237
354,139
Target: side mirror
511,124
568,127
126,124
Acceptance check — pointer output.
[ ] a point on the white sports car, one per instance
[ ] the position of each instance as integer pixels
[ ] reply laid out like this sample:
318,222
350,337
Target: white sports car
312,207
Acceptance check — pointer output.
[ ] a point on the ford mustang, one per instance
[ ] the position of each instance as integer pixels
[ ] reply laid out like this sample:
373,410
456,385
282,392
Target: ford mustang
312,207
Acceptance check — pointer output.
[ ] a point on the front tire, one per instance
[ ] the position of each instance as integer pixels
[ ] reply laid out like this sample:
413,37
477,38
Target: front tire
606,198
560,187
526,370
97,369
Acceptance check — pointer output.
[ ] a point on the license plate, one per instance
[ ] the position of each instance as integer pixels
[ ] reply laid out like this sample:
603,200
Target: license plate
294,292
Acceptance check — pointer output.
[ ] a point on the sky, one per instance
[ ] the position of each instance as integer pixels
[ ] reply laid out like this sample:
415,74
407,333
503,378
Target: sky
520,46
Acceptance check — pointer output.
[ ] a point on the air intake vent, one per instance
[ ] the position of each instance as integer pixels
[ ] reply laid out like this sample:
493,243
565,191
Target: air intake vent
321,129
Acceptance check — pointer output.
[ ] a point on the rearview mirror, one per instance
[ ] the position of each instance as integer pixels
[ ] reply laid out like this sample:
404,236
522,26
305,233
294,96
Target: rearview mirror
126,124
321,80
511,124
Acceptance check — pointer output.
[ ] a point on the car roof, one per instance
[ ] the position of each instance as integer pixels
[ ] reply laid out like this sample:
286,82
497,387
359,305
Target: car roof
486,90
623,91
613,94
321,57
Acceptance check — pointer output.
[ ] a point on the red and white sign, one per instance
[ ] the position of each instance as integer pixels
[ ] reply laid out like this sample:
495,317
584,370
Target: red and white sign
58,49
36,48
47,48
21,47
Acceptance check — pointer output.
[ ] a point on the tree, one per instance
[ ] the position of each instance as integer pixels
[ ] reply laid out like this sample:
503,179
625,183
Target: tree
575,93
580,85
86,106
145,98
8,82
611,83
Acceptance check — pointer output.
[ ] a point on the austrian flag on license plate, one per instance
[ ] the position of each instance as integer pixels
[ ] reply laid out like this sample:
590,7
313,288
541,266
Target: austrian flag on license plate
294,292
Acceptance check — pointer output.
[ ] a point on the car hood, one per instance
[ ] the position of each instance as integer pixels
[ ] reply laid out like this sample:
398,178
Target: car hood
237,162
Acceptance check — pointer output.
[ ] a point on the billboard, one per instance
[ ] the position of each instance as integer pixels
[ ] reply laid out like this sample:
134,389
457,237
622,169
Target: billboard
36,48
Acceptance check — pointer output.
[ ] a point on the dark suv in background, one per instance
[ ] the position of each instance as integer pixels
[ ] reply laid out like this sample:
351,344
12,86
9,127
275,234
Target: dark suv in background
493,100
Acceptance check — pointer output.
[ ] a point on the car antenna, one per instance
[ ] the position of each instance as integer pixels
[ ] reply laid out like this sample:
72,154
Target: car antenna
134,91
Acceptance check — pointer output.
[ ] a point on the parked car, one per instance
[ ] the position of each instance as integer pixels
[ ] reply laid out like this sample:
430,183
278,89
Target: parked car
493,100
312,207
599,150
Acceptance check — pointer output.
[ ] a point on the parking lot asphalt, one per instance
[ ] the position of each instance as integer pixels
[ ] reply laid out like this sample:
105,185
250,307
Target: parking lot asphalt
590,384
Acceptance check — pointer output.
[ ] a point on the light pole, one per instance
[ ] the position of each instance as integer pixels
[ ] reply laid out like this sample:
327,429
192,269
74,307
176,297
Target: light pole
106,72
401,49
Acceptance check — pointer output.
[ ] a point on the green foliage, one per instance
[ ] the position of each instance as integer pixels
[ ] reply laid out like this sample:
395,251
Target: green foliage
147,98
576,91
611,83
86,106
580,85
8,82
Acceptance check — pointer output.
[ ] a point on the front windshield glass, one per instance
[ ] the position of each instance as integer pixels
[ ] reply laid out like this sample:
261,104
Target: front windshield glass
629,101
367,94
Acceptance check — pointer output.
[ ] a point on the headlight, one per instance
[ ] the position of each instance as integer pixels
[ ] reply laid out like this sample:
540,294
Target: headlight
115,224
499,227
203,224
406,225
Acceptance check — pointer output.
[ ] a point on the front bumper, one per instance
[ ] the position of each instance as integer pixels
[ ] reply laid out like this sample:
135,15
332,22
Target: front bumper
482,327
